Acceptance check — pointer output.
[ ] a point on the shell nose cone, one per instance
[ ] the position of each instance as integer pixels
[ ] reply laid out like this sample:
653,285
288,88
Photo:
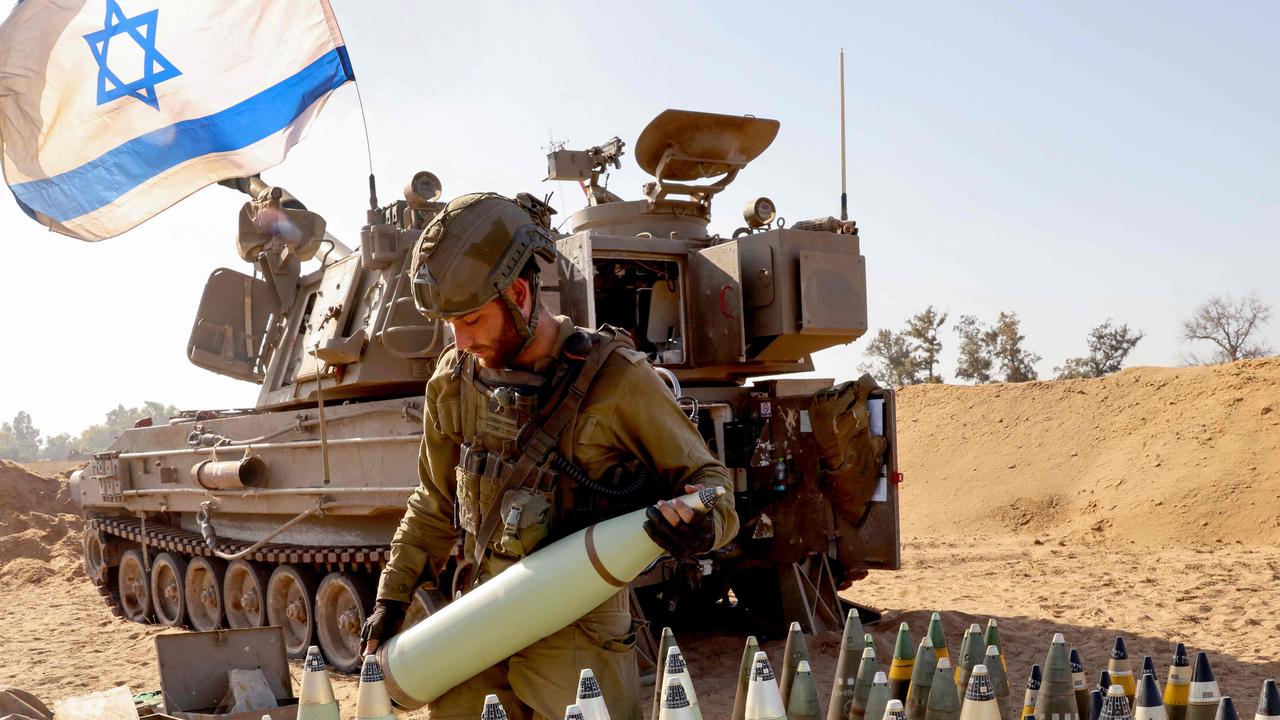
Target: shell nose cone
590,701
675,661
761,670
588,687
1120,652
1095,705
1149,693
371,670
1269,700
315,700
1180,656
372,701
1202,672
764,701
980,685
903,647
1074,659
675,697
1115,706
1226,709
1034,679
493,709
314,661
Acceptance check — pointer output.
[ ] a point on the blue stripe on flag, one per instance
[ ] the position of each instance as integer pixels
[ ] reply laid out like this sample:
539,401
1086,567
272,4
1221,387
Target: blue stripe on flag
121,169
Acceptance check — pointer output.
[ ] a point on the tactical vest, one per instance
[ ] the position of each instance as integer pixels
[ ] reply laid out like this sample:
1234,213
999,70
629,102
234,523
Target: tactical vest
514,490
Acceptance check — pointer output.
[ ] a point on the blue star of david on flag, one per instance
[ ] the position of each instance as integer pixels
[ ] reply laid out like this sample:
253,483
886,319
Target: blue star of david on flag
156,68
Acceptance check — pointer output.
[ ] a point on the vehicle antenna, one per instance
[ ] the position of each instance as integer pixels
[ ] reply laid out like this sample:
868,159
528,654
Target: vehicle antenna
368,148
844,195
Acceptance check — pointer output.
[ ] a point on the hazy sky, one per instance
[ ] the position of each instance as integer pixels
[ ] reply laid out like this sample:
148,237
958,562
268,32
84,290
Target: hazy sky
1071,161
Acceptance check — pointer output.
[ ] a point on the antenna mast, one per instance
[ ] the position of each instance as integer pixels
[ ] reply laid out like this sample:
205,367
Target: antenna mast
844,195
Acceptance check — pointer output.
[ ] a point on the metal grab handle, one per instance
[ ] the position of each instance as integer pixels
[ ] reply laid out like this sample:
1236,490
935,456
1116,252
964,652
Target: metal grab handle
204,516
389,308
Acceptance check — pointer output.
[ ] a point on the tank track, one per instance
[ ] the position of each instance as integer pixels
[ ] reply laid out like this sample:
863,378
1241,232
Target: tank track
165,537
111,598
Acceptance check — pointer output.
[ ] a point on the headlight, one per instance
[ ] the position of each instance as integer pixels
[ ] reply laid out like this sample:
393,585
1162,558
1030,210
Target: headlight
759,212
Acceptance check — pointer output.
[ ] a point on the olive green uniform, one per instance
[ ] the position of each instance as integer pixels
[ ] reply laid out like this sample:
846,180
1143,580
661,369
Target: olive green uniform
627,414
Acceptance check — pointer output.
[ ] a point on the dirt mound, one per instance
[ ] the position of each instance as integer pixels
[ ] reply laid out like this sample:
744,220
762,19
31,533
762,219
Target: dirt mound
39,528
1151,455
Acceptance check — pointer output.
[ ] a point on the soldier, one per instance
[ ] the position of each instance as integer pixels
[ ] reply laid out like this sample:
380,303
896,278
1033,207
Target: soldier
532,430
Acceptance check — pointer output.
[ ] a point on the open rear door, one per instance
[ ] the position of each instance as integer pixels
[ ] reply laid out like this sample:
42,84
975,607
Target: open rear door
877,543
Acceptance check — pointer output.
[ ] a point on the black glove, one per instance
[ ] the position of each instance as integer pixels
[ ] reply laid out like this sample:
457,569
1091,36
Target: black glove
684,540
383,622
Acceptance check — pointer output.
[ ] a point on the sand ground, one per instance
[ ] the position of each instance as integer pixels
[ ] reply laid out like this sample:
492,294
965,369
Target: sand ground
59,640
1146,504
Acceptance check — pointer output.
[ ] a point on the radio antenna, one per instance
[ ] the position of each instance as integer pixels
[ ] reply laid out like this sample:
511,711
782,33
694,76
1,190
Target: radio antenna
844,195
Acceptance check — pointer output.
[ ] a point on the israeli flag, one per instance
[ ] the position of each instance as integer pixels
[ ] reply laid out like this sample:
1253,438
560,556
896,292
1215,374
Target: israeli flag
113,110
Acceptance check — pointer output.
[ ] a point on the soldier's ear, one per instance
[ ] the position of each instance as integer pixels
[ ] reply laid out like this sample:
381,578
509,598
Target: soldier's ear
520,294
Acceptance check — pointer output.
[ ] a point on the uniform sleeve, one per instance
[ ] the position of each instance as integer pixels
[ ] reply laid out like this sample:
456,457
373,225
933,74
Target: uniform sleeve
426,533
645,420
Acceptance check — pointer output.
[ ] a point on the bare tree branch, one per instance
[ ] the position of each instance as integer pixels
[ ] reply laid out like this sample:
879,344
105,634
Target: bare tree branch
1229,325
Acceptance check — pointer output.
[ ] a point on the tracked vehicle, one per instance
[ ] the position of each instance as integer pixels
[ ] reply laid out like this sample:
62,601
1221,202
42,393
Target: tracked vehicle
281,514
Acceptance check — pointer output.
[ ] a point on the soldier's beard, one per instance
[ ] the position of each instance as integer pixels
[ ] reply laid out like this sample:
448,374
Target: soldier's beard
502,351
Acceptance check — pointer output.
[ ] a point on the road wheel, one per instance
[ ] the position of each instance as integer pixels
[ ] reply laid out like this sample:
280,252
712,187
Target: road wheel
204,592
134,587
95,560
168,573
244,590
426,601
343,601
291,592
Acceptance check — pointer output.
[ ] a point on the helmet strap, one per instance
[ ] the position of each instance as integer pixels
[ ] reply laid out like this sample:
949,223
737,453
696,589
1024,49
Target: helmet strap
526,328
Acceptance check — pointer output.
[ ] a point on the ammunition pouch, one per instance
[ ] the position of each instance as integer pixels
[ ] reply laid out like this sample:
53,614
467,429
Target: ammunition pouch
526,522
526,513
467,492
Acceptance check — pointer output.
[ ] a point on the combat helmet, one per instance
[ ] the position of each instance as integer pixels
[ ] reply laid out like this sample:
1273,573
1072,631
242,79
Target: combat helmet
474,250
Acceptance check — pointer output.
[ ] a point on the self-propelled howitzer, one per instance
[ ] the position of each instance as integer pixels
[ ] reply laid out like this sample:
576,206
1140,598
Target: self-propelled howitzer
281,514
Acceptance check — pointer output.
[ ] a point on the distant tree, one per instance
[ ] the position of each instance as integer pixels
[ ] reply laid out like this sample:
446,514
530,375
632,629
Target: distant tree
1109,345
98,437
976,361
995,352
58,447
1017,363
20,440
893,363
923,330
1229,325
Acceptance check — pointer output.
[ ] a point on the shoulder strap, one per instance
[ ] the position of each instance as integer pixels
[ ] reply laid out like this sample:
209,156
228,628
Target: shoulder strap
539,436
465,372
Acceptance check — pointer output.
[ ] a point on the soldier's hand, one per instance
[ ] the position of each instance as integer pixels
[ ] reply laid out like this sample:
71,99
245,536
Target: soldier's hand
679,529
381,623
